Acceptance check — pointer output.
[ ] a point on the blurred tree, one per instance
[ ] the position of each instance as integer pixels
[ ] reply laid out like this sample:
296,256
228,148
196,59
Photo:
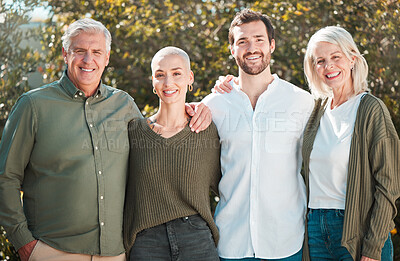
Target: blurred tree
16,62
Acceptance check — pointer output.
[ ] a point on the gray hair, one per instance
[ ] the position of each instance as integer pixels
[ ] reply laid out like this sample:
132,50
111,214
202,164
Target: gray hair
86,25
170,50
343,39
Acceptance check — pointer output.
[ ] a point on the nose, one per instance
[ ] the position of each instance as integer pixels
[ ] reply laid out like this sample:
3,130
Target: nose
329,65
88,57
168,81
251,47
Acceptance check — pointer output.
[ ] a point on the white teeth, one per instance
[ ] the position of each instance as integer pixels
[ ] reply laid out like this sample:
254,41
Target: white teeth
169,92
253,58
87,70
332,75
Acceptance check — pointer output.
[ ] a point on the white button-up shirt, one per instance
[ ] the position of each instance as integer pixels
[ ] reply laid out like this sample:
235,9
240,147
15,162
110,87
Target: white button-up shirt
261,212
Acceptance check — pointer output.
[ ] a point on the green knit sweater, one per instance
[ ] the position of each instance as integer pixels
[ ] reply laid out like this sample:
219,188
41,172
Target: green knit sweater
169,178
373,177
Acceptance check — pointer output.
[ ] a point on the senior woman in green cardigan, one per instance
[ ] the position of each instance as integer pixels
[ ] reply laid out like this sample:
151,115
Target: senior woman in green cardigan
171,170
351,156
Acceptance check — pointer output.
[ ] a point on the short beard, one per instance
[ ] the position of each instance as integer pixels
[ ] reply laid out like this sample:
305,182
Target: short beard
251,70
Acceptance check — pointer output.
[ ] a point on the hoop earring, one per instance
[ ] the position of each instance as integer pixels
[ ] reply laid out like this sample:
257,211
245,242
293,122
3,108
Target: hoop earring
154,91
190,87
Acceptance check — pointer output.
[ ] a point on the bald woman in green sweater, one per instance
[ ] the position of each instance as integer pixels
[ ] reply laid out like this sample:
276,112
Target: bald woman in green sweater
171,170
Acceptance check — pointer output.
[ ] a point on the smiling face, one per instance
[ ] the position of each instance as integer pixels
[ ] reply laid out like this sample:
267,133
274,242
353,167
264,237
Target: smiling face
86,59
251,48
171,77
333,67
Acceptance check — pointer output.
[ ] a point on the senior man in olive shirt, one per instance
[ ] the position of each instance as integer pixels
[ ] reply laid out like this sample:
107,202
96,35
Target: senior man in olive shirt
65,145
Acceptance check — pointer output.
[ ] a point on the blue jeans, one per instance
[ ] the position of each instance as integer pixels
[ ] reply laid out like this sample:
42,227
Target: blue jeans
325,228
181,239
295,257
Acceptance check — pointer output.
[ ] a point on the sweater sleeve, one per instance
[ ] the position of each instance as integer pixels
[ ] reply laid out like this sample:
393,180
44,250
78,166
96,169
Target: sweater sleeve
384,155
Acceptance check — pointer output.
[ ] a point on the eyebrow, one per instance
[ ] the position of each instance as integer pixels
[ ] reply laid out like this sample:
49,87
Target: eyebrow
255,36
173,69
329,54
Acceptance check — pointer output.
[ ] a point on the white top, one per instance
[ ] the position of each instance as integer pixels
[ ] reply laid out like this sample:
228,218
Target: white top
262,194
329,158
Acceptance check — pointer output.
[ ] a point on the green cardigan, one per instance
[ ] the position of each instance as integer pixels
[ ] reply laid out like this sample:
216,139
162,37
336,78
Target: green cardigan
373,177
169,178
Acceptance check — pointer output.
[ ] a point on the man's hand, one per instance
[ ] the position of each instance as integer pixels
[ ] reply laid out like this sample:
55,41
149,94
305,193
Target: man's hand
364,258
222,84
201,116
26,251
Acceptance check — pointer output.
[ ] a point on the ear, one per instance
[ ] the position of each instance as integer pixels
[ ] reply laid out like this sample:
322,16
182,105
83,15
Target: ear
272,45
108,58
231,49
64,55
191,77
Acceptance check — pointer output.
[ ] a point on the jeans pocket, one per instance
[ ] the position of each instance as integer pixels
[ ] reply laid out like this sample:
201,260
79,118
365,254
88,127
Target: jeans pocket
340,212
197,222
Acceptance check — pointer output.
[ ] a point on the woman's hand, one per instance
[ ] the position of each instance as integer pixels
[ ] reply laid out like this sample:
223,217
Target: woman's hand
222,85
364,258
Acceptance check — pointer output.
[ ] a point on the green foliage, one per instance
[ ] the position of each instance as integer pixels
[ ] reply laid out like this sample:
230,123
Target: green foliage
7,251
15,61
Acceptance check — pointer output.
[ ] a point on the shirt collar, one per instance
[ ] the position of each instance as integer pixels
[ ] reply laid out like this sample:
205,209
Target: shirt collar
75,93
272,84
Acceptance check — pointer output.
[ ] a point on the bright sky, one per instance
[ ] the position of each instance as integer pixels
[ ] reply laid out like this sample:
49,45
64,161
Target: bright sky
38,14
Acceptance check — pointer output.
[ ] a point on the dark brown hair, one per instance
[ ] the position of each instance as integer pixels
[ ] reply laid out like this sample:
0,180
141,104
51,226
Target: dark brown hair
247,16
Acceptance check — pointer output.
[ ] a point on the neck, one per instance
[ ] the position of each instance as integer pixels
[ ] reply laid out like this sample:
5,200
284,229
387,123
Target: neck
87,90
171,115
255,85
341,95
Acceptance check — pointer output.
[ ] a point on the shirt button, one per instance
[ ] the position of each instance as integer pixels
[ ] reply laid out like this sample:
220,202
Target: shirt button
99,172
76,96
80,94
102,223
87,103
96,148
97,96
101,197
91,125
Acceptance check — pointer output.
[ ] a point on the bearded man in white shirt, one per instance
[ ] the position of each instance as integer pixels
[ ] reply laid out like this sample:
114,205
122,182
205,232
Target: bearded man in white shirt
261,212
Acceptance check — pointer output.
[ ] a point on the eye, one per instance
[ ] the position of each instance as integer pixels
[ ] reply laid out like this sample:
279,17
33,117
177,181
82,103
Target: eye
336,57
80,51
97,53
159,75
260,40
177,73
319,62
240,42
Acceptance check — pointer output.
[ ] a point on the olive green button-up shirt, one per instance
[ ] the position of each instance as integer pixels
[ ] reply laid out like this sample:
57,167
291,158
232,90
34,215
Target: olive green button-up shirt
69,154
